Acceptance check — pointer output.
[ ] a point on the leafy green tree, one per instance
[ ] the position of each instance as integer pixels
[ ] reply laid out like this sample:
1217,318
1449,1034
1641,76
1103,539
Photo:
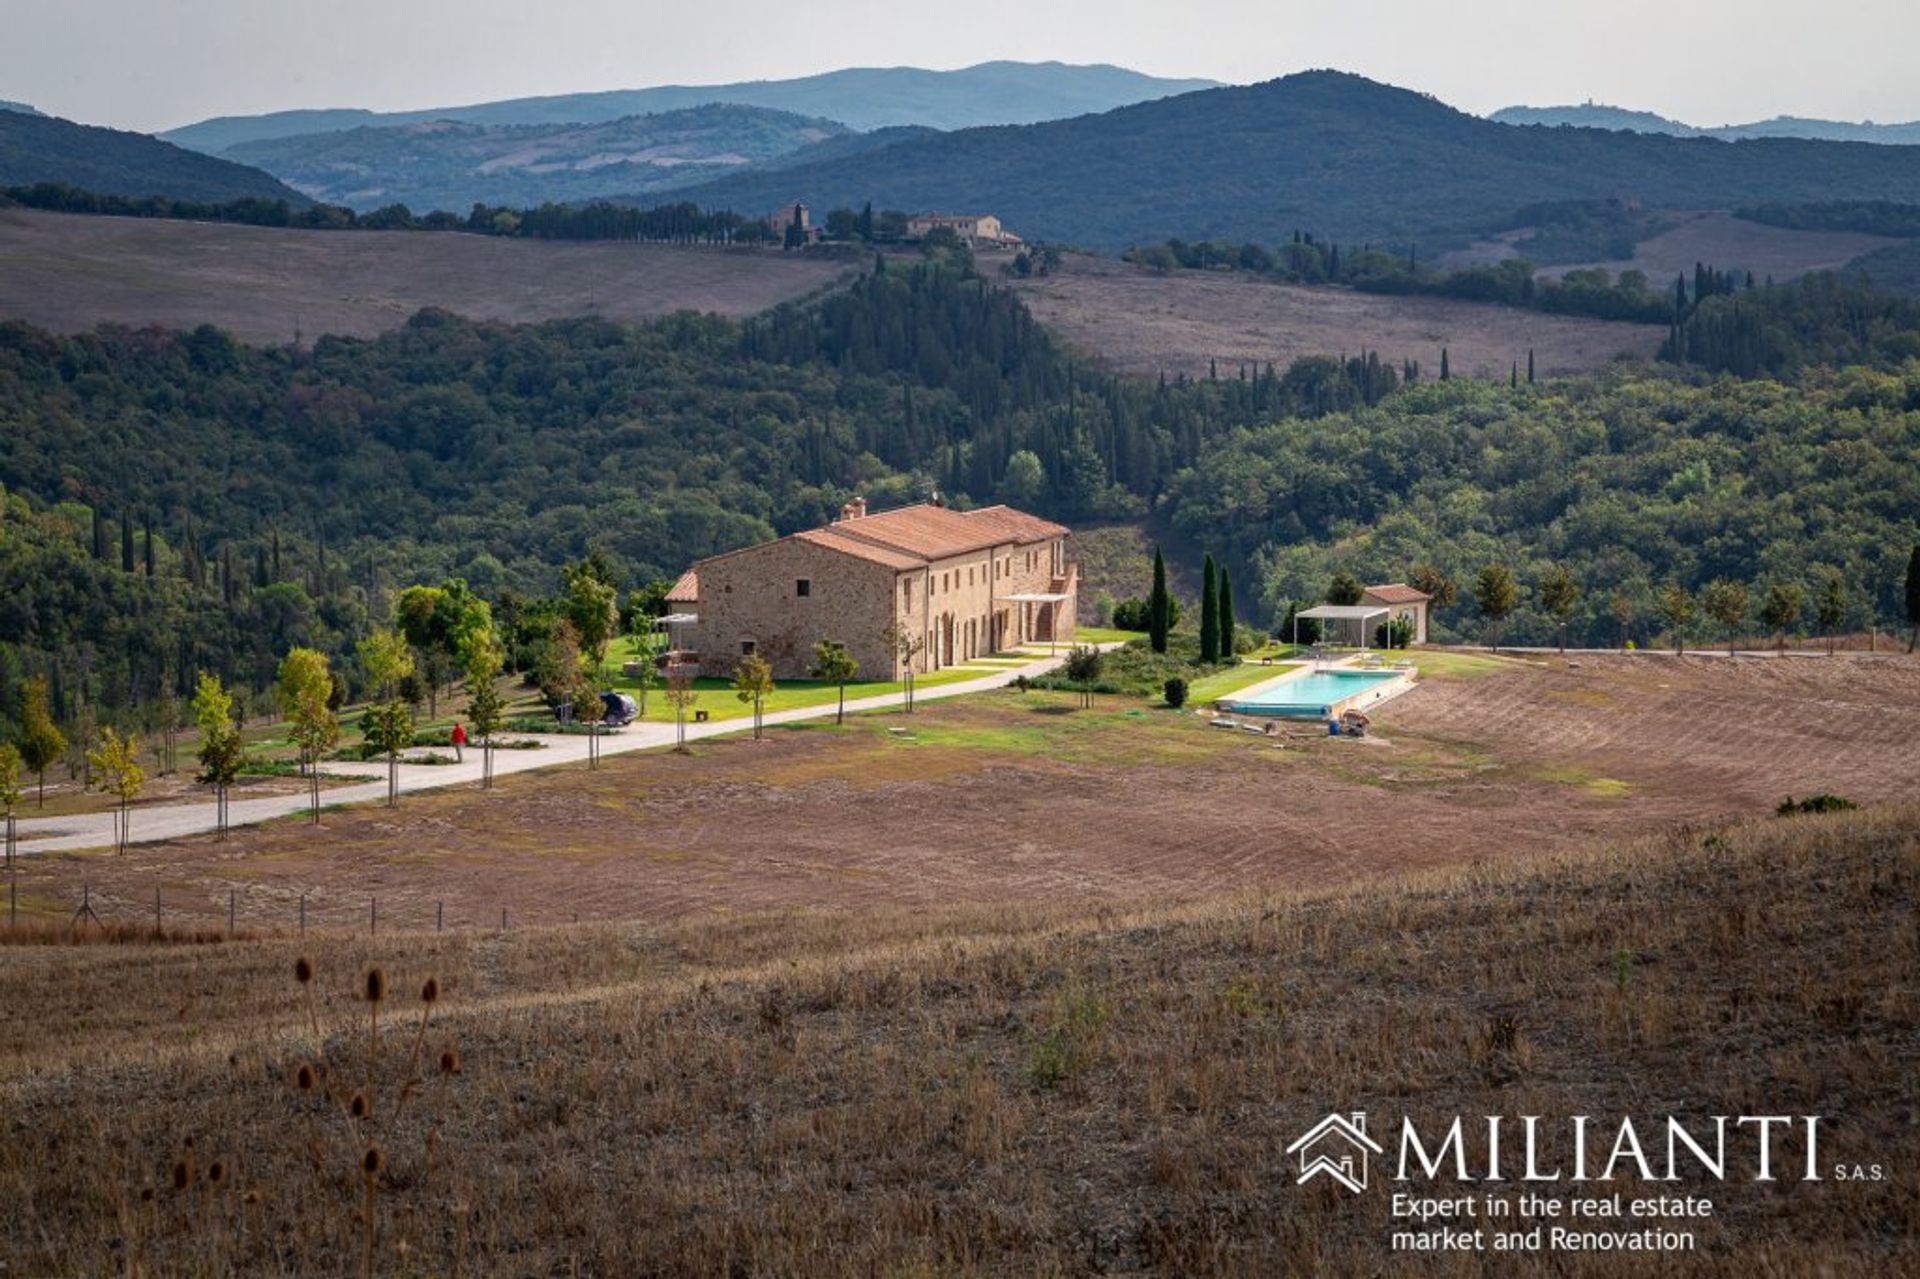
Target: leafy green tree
1083,668
1495,594
1428,579
592,605
1620,607
649,643
1159,620
1725,601
753,684
306,689
1209,615
834,663
681,695
385,661
1025,479
222,750
10,792
389,729
1677,608
484,706
1344,589
905,642
1780,609
1558,595
1831,603
41,741
116,765
588,709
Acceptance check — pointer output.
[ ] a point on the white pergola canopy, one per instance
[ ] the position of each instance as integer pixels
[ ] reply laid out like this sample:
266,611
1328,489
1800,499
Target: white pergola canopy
1038,597
1361,613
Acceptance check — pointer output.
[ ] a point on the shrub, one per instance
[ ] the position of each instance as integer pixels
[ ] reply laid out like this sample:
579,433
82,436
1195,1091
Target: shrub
1814,804
1176,692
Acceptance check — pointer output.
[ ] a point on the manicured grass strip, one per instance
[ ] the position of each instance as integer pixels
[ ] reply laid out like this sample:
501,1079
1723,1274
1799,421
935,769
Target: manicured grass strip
1235,678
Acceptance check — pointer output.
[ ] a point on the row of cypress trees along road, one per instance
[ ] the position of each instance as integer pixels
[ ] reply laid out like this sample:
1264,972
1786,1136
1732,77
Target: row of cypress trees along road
1217,627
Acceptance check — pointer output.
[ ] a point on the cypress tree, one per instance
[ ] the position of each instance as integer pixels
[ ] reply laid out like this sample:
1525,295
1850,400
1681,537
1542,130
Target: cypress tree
146,534
1228,628
126,543
99,536
1529,366
1157,605
1913,598
1445,371
1209,615
1513,378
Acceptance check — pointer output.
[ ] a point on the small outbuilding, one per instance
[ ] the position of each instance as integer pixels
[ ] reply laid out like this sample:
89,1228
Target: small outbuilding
1404,603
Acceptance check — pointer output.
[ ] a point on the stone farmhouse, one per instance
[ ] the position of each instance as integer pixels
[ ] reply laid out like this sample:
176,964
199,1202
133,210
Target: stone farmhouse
974,228
964,583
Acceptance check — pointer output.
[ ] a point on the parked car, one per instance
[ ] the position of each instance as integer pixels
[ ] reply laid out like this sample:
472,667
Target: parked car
620,709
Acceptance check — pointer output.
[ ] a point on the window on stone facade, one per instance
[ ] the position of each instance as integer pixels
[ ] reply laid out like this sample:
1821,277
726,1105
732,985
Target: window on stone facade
803,586
906,595
746,648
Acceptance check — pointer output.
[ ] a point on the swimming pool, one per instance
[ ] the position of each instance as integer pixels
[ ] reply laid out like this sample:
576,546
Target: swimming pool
1317,694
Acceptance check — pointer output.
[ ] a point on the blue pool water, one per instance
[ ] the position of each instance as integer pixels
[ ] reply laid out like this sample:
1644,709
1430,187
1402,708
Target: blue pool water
1315,693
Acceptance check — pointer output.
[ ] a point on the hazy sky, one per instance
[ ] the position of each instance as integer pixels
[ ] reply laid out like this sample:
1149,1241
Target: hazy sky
152,64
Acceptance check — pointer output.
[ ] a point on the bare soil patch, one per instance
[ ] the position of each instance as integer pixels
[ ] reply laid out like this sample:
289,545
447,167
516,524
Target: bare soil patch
69,272
1145,323
1719,240
1013,797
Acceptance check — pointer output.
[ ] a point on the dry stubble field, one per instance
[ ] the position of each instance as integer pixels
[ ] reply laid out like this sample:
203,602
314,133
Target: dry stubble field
1012,797
69,272
1145,323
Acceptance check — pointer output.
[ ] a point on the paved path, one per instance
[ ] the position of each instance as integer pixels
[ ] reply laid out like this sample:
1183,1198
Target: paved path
171,821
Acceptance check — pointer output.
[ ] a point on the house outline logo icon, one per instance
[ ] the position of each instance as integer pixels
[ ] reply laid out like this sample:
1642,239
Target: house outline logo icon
1336,1147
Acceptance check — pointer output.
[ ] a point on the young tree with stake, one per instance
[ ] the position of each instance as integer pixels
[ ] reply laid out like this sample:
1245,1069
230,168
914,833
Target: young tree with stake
388,725
833,662
1495,594
119,774
905,643
484,708
1725,601
1083,668
1779,610
221,749
1677,608
10,791
681,695
41,741
1831,604
305,686
1558,594
753,683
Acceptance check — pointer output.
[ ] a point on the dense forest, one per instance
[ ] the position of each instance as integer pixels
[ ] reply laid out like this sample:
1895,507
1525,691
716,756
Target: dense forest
40,148
179,501
1634,480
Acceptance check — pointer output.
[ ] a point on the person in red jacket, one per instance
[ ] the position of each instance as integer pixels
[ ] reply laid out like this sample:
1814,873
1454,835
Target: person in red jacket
459,739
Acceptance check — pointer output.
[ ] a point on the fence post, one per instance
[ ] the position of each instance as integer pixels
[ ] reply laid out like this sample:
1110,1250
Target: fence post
439,916
13,902
503,919
303,914
373,916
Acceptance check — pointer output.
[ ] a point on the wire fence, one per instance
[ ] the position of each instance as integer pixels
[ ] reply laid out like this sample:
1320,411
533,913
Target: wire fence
246,915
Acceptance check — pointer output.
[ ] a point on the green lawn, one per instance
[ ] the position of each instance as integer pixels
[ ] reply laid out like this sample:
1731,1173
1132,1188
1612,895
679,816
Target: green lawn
717,698
1235,678
1104,635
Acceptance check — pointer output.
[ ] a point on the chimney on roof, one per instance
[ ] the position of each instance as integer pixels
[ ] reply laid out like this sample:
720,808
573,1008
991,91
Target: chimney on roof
854,510
937,499
1360,1121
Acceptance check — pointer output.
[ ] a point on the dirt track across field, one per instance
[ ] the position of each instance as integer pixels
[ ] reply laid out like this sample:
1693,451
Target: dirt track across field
1008,796
1145,323
70,272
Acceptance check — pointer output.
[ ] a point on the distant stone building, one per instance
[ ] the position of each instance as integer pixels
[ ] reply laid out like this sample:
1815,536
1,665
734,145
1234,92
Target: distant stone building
974,228
785,216
965,583
1404,603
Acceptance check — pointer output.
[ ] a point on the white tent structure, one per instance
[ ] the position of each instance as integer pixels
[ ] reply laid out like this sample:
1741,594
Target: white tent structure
1361,614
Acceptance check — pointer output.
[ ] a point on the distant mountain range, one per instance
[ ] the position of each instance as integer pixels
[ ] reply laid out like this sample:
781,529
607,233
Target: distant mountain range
1594,116
860,98
38,148
444,164
20,107
1322,151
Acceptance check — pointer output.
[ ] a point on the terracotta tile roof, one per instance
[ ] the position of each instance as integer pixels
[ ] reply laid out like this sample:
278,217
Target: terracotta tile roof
934,532
908,537
831,538
1397,593
686,590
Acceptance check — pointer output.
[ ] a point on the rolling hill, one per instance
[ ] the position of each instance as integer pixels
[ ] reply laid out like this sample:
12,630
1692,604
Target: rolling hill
446,164
860,98
1325,151
1595,116
38,148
